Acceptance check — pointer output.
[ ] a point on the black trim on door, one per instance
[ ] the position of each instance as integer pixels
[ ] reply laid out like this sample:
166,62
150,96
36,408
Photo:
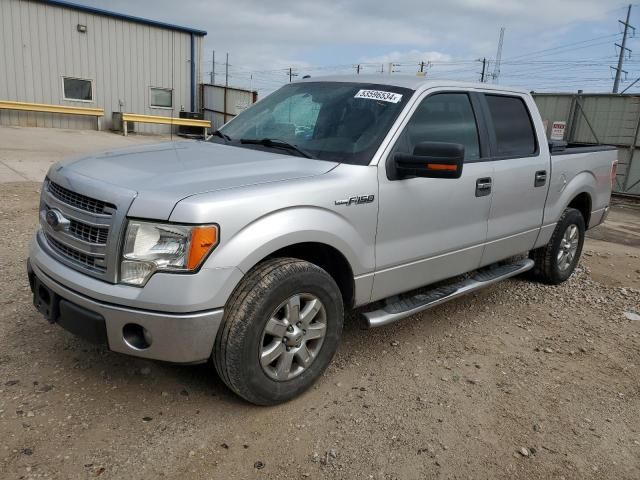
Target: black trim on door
481,127
489,126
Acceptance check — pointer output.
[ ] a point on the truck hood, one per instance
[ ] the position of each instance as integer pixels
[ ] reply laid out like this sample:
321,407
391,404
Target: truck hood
161,175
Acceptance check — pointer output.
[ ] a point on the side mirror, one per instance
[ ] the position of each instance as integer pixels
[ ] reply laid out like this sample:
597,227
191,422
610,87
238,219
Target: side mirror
430,160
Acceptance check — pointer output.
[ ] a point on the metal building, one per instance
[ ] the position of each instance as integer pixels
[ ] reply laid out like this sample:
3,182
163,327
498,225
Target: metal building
607,118
61,53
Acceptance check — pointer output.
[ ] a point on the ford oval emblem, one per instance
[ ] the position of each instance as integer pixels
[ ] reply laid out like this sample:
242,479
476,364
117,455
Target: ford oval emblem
54,219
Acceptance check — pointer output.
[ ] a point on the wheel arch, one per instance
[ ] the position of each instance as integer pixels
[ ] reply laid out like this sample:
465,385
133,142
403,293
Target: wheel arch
319,236
582,202
579,193
326,257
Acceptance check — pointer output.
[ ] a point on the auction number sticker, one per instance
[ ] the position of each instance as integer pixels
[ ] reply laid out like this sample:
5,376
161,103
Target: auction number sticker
379,95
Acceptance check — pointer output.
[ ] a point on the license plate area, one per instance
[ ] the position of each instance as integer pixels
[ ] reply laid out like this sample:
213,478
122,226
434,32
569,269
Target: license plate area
46,301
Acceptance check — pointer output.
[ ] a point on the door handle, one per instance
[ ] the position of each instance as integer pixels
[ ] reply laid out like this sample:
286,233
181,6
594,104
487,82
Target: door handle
483,187
541,178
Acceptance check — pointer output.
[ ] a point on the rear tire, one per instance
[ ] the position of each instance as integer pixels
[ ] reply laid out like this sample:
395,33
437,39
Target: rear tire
556,261
280,330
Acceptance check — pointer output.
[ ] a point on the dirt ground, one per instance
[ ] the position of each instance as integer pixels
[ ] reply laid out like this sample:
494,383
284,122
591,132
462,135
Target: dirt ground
517,381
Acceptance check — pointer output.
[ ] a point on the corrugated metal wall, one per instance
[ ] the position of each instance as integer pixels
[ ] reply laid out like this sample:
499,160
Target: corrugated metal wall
40,43
214,103
600,118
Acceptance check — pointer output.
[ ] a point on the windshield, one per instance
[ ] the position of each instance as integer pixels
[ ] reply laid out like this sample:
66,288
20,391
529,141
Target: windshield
337,121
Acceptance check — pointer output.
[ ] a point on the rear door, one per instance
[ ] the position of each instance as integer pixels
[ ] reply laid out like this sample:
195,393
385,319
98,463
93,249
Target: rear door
521,172
428,228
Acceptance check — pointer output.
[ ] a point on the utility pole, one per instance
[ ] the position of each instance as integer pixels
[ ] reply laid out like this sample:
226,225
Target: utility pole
421,71
496,67
291,74
623,47
226,72
213,67
358,69
484,69
424,68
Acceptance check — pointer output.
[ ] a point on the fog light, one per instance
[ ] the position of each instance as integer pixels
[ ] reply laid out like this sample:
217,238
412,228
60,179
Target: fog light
136,273
136,336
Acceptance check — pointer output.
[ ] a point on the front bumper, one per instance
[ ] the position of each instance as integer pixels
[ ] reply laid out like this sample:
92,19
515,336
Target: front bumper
185,337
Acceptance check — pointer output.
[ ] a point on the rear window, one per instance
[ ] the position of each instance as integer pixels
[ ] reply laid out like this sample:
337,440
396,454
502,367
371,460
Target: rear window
514,132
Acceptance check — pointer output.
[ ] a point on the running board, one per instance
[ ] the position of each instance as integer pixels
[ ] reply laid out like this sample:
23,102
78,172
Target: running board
402,308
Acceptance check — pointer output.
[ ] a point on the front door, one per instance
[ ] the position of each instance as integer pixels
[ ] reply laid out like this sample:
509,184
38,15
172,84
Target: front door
431,229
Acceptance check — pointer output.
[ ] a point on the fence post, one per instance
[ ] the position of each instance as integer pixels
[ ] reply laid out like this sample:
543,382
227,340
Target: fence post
573,116
632,149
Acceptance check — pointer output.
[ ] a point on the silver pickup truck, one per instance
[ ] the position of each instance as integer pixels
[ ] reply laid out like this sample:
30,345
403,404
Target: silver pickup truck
387,194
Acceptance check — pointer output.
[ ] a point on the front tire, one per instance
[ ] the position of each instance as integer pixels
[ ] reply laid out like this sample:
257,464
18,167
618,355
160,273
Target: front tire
280,330
556,261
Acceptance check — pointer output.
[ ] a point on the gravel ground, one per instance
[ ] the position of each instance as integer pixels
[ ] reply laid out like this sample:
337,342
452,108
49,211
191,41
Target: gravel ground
517,381
26,153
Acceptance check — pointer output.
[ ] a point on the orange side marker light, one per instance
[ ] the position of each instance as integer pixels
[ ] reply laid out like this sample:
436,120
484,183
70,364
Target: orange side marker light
203,239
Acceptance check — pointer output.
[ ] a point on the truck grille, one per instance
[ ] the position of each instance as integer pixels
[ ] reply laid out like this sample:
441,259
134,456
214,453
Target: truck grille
89,233
86,230
79,201
73,254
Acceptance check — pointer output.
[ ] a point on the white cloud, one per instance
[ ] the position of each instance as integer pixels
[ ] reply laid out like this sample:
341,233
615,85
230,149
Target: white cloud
275,34
409,56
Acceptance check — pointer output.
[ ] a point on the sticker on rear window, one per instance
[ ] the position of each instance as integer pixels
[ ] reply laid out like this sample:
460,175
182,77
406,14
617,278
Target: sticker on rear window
379,95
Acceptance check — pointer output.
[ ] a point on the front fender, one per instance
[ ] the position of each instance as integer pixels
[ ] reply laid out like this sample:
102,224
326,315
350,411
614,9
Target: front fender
290,226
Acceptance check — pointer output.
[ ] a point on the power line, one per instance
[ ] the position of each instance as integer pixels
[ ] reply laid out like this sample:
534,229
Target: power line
561,47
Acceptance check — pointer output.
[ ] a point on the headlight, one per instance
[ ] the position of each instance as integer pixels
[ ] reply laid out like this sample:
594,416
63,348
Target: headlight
151,247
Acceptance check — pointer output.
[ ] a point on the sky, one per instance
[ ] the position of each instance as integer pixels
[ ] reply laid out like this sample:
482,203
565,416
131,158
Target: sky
549,45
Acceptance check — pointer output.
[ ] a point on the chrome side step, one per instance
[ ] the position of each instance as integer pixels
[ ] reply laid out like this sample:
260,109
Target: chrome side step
405,307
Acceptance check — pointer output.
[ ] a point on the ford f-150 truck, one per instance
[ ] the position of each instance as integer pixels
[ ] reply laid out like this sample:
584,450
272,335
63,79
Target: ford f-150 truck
386,194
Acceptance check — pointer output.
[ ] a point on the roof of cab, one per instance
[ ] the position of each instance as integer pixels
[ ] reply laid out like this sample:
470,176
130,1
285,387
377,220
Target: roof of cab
406,81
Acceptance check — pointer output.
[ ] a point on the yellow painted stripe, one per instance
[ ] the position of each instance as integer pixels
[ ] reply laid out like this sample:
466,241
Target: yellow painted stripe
43,107
189,122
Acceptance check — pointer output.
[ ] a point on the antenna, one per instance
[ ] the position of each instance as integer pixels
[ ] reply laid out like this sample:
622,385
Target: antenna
496,68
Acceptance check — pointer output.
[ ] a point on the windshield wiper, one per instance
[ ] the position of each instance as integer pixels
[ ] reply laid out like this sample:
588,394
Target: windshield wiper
269,142
218,133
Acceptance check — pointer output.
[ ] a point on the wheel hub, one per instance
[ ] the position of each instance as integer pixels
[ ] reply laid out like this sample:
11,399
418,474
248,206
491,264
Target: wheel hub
568,247
293,337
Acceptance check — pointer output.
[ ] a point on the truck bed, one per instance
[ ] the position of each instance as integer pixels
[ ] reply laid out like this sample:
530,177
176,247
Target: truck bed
562,148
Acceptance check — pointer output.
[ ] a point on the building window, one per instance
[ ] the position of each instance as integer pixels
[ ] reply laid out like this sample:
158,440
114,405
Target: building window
77,89
161,97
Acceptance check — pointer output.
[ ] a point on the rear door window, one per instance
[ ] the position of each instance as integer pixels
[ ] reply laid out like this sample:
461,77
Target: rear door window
514,131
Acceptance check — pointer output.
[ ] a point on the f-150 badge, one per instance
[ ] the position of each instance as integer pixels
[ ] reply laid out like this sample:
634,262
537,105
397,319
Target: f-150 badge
359,200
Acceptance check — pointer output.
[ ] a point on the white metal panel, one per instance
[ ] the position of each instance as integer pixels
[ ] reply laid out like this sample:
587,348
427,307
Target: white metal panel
214,103
615,119
40,43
